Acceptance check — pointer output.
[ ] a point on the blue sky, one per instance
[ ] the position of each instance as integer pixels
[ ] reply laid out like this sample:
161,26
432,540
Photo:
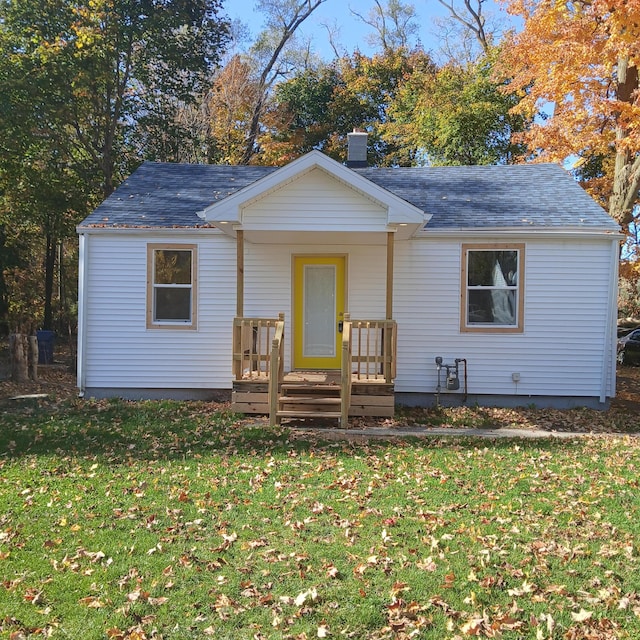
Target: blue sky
352,30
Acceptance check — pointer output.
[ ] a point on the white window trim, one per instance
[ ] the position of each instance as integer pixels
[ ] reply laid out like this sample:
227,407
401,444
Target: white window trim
151,285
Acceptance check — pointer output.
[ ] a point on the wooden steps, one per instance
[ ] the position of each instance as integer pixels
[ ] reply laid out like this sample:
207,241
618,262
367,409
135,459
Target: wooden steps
309,414
309,399
315,392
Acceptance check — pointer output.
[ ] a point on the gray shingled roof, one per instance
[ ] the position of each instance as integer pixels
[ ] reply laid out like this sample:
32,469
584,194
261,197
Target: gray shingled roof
165,195
539,195
162,195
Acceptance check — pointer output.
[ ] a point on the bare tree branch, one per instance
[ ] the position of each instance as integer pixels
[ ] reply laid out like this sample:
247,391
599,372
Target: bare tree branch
393,24
474,21
287,24
333,33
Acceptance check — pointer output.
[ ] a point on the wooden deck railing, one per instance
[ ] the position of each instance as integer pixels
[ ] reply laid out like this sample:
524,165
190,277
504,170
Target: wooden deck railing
277,370
368,354
252,342
374,349
345,374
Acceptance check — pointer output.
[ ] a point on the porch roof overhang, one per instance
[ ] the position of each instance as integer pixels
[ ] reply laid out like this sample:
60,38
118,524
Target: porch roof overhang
228,215
337,238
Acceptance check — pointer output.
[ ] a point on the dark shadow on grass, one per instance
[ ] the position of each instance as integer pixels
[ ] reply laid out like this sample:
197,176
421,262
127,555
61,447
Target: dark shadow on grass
118,431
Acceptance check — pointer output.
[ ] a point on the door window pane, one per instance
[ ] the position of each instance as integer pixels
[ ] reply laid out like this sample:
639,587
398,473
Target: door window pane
319,310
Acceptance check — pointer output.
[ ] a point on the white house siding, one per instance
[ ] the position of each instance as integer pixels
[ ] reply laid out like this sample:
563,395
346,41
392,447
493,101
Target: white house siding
120,352
314,201
268,284
563,350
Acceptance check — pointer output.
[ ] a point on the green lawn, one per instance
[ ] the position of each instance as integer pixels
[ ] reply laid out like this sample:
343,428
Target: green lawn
169,520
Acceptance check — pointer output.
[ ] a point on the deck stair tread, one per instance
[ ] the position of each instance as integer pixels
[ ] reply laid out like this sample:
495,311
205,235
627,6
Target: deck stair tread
298,386
315,398
309,414
309,400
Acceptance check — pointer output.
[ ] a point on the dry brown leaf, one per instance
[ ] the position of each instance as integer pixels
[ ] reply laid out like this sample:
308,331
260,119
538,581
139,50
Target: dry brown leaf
581,615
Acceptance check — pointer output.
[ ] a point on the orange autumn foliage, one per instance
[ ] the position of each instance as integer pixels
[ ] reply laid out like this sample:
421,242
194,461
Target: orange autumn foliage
231,103
577,61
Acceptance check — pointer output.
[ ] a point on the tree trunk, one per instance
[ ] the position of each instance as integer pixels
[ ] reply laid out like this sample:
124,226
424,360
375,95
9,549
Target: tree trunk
18,354
626,176
4,299
49,271
626,184
33,359
107,171
300,11
253,129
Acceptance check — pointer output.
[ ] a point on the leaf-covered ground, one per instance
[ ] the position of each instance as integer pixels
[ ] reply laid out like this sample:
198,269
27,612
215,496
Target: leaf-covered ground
164,520
59,382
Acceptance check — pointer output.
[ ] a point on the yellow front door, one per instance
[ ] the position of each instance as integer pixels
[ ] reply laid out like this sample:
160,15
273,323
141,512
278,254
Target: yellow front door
319,295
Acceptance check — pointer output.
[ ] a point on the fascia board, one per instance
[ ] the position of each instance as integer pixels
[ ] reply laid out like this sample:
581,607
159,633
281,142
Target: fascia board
521,232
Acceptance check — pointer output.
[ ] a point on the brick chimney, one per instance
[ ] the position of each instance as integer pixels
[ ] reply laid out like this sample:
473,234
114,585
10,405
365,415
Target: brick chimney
357,149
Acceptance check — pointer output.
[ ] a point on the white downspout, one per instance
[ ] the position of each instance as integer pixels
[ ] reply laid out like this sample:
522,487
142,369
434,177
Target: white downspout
82,312
609,362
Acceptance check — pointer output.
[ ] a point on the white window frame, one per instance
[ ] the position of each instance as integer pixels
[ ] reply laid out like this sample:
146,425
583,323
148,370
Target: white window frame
152,323
518,287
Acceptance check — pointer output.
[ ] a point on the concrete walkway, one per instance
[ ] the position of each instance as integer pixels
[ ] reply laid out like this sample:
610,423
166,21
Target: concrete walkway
439,432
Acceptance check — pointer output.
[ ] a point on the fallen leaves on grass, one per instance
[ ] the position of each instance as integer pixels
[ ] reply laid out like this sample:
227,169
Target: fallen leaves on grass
205,527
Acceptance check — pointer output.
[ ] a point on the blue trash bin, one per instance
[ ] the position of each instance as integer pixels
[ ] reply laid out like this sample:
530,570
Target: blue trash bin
45,346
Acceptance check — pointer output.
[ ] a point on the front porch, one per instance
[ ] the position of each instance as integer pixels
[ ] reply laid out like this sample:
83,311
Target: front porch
363,386
319,241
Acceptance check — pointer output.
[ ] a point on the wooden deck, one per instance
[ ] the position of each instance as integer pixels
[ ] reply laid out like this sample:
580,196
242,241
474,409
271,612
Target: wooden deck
369,397
363,386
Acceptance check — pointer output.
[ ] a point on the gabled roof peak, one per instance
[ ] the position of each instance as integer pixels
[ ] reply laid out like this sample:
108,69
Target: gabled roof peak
228,213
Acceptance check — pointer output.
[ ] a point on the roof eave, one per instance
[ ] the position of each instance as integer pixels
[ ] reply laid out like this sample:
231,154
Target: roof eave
537,230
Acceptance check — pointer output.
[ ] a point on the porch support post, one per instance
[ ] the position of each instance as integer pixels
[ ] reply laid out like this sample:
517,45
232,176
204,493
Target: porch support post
390,238
239,273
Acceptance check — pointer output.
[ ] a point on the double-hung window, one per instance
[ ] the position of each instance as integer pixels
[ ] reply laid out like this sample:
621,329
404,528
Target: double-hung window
171,286
492,288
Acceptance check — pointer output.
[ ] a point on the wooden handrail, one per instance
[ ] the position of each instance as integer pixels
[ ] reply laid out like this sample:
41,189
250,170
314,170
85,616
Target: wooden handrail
375,349
277,370
345,374
368,353
252,347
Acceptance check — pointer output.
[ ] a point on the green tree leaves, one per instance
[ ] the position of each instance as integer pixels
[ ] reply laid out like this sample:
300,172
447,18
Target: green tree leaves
414,111
458,116
87,90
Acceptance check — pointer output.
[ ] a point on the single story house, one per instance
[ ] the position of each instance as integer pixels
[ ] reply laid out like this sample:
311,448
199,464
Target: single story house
324,289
